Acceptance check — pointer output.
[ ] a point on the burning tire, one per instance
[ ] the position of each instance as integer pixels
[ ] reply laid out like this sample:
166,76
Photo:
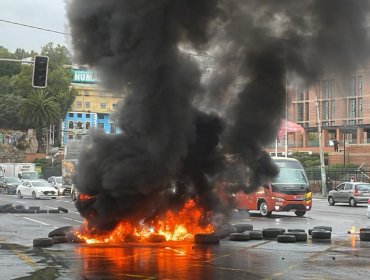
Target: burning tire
300,236
239,237
62,231
321,234
43,242
286,238
272,232
62,209
204,238
59,239
157,238
239,228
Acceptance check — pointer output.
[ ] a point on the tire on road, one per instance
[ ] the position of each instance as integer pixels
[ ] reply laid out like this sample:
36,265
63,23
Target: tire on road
255,234
53,211
34,208
324,228
62,209
6,208
59,239
365,229
43,242
239,228
321,234
19,208
157,238
296,230
286,238
364,235
62,231
239,236
41,211
204,238
272,232
300,236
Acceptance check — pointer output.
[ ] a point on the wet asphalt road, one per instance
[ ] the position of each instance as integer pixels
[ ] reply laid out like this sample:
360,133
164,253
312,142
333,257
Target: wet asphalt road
344,257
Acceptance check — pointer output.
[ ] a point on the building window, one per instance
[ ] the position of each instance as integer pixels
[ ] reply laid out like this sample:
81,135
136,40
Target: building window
87,125
359,121
103,106
115,106
359,85
299,112
307,111
88,116
360,107
71,115
325,110
332,88
332,109
87,104
79,104
101,125
325,89
351,87
70,125
325,124
352,122
79,115
79,125
101,117
352,108
70,136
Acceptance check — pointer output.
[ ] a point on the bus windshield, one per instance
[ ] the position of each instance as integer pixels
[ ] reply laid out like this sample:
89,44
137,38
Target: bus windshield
290,176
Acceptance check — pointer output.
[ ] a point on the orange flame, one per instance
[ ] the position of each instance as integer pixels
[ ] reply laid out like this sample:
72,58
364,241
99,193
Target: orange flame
174,227
84,196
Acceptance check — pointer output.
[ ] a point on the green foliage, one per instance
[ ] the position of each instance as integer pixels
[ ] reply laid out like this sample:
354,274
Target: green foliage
309,160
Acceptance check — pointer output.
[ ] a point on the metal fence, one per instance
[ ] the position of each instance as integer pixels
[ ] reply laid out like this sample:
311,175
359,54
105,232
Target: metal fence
335,176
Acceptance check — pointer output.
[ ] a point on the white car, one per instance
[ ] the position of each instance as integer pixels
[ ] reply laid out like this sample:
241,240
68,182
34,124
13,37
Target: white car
36,189
57,183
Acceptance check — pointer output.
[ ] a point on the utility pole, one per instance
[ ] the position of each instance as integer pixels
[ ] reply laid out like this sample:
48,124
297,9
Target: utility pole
322,161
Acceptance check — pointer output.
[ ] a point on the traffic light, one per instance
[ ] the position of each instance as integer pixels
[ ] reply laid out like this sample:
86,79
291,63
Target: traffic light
40,71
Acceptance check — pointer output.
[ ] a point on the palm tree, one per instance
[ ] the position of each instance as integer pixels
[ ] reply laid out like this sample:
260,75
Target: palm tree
39,111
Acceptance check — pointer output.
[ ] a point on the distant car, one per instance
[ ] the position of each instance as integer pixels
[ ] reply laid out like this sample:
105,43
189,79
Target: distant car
9,184
74,192
350,192
368,208
36,189
57,183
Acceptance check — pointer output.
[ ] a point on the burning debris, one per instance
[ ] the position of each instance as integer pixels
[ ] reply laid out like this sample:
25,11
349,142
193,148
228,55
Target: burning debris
177,129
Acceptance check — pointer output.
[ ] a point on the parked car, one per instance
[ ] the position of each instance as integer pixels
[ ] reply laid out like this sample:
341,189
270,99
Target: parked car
57,183
368,208
36,189
350,192
8,185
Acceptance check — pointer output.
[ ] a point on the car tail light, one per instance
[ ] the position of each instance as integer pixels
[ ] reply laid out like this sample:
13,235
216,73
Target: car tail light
356,193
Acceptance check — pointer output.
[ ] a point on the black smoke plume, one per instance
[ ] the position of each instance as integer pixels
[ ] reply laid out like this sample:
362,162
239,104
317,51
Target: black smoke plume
169,139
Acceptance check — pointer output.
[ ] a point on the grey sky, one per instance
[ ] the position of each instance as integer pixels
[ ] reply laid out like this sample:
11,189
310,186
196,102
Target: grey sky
49,14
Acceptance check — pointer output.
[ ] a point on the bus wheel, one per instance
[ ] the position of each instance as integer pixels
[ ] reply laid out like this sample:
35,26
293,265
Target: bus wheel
300,213
264,210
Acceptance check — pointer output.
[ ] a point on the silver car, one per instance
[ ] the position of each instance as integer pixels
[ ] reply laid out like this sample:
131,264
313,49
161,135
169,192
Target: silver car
350,192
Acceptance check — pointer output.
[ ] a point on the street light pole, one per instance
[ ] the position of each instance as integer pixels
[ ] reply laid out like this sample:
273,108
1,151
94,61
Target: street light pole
322,161
344,148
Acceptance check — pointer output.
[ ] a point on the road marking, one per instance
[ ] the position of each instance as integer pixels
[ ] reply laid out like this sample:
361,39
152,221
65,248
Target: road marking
26,259
36,221
20,201
68,201
78,221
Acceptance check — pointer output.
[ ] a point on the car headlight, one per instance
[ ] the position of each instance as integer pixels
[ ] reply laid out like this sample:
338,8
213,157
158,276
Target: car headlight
279,199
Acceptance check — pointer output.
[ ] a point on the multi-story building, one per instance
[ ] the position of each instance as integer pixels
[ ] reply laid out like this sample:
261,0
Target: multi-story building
92,108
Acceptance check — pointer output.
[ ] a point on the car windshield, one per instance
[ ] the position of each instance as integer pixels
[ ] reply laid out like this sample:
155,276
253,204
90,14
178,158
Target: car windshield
13,180
290,176
363,187
58,179
29,176
40,184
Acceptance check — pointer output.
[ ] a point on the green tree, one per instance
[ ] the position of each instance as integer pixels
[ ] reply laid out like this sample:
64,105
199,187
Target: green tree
39,111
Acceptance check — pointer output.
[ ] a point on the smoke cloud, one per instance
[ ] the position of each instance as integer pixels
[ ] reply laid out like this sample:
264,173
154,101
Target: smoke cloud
170,139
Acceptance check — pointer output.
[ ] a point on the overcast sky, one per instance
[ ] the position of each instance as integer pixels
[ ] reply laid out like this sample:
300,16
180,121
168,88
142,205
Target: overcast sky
49,14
